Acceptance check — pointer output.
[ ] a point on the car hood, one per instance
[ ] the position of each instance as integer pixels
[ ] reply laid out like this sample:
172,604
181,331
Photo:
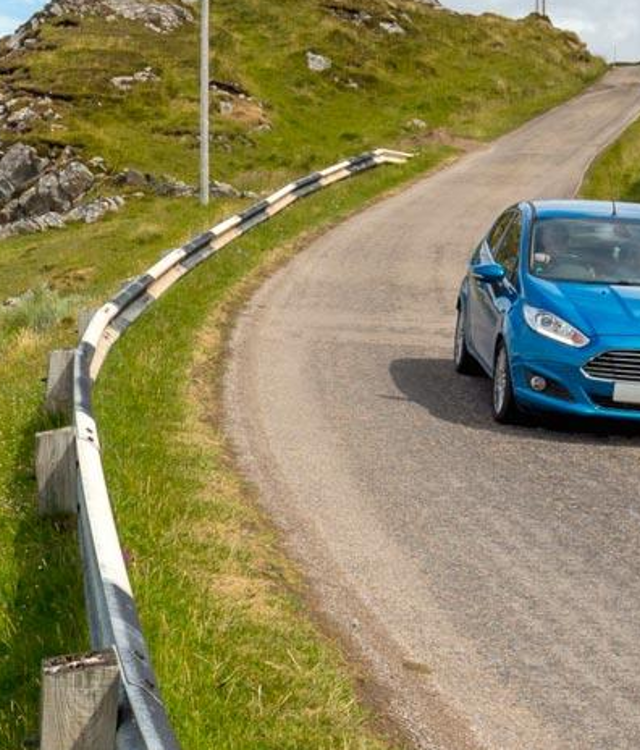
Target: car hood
598,309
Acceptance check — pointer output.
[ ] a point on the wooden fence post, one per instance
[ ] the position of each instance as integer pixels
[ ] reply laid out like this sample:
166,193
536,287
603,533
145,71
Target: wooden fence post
59,395
79,708
57,472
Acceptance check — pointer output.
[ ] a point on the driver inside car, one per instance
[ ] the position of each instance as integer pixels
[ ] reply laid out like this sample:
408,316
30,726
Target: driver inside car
552,243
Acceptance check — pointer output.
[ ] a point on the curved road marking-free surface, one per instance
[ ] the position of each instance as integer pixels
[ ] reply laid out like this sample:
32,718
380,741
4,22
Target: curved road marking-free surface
488,577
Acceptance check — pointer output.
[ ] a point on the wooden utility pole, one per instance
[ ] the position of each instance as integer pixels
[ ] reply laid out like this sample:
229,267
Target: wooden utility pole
204,102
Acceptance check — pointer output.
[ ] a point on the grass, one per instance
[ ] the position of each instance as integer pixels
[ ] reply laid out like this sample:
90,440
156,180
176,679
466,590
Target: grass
240,662
616,174
476,77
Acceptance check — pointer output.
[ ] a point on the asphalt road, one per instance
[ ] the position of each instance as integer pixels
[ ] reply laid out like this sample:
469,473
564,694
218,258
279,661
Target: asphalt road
487,577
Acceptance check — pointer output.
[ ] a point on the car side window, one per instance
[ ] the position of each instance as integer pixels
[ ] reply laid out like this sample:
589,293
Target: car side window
499,229
509,249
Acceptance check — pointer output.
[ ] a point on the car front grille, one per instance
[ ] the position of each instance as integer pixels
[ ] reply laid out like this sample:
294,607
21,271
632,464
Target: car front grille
615,365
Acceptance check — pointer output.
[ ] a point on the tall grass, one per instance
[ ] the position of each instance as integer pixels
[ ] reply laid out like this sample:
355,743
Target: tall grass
37,310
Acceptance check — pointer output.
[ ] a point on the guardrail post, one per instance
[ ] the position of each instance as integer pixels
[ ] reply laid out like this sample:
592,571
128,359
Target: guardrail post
59,395
79,708
56,472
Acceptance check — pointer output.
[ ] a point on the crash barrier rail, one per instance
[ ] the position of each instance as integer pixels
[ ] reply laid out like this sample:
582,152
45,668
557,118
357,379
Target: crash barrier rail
71,479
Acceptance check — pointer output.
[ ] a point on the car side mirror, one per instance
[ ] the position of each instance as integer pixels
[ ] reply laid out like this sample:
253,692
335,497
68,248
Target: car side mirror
489,272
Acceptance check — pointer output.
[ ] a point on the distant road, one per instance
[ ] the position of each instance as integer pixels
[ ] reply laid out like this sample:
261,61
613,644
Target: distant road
488,577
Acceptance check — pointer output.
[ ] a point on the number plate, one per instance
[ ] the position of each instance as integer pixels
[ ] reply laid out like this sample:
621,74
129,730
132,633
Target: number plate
626,393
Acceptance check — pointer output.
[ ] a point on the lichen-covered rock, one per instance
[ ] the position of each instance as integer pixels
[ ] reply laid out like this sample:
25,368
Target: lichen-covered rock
44,197
22,118
87,213
126,83
318,63
159,16
392,27
75,180
19,166
35,224
91,212
32,187
223,190
6,190
168,188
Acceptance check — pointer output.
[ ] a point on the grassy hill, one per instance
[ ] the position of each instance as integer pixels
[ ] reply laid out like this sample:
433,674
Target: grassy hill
616,174
241,663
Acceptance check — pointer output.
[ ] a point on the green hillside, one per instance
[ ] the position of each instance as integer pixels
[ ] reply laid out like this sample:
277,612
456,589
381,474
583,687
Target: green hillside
475,77
616,174
241,662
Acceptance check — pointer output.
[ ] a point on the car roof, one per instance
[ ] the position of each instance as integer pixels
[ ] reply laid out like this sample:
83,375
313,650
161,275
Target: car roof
578,209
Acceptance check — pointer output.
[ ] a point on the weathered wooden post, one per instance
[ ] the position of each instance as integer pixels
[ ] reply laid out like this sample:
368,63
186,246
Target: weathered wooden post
57,472
79,709
59,394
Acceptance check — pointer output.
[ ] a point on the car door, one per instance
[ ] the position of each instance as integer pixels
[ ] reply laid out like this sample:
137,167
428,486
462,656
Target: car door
479,300
497,298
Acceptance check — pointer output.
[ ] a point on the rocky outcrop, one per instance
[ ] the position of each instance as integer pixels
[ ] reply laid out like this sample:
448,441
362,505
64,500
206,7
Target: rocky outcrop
394,20
159,16
126,83
167,187
39,193
19,112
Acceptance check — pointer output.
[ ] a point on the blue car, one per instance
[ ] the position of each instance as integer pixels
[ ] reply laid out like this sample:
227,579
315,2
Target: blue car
550,309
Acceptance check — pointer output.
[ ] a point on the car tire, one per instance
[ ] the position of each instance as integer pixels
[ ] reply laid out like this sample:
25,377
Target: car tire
505,406
463,360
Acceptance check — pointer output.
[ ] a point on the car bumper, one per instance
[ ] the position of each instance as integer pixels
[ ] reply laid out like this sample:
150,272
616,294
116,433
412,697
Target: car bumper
570,391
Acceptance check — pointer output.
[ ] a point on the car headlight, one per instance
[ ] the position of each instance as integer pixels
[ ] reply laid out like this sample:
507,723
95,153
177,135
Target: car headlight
550,325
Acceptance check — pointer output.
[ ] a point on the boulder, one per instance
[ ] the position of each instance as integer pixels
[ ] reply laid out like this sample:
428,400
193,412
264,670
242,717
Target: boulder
36,224
318,63
392,27
132,178
6,190
44,197
168,188
75,180
20,165
126,83
91,212
223,190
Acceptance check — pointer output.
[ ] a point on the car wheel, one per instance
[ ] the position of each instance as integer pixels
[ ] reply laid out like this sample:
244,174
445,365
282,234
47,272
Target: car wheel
505,407
462,358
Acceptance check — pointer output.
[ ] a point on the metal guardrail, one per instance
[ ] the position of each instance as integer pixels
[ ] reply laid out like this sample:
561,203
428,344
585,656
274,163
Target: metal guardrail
113,617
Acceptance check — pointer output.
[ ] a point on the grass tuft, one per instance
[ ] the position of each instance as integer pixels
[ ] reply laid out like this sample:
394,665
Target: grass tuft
38,310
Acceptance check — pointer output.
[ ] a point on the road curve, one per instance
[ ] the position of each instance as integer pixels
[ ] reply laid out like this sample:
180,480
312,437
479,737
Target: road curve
488,577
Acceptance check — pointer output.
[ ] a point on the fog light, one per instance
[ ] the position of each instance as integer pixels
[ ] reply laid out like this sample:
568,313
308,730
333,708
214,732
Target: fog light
538,383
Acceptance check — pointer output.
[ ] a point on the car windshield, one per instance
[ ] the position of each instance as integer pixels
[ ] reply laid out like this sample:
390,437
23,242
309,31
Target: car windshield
602,251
